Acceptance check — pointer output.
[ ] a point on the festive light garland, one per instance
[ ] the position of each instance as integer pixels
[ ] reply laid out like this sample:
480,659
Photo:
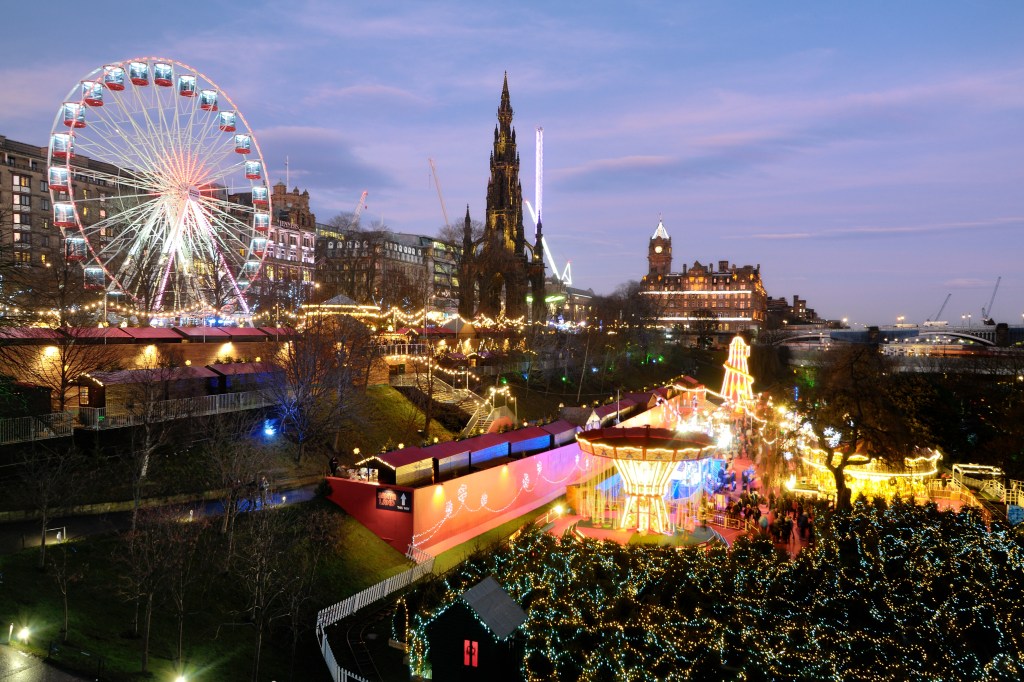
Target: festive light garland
890,592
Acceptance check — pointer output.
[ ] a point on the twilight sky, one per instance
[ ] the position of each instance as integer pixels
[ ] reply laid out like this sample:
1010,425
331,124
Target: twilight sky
869,156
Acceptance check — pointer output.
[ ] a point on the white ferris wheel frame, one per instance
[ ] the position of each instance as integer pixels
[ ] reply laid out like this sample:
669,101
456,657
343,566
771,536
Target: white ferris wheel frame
175,167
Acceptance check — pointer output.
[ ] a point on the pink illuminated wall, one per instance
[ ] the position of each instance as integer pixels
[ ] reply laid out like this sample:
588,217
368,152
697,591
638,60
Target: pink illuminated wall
452,512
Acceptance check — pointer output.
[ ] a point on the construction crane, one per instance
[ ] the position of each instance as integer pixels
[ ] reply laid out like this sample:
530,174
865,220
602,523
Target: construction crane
566,275
935,321
360,205
440,196
986,312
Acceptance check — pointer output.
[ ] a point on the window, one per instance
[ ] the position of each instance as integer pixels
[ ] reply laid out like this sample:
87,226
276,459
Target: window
19,219
44,186
45,204
21,183
42,259
22,257
21,202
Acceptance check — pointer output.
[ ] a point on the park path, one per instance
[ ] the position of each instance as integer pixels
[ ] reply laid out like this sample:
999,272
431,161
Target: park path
18,666
19,535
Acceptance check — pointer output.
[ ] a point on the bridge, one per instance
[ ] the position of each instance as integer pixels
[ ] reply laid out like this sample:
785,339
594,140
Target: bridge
977,335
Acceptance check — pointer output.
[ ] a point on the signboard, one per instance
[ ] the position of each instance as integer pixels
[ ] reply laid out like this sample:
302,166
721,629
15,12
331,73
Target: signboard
394,500
1014,513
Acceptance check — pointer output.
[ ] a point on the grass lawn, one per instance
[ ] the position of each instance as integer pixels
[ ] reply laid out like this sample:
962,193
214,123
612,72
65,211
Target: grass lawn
389,661
219,640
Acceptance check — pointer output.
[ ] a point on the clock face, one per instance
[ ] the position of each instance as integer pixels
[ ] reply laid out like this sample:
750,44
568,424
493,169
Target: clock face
657,249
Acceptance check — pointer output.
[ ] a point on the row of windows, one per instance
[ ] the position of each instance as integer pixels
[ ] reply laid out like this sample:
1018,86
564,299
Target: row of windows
25,221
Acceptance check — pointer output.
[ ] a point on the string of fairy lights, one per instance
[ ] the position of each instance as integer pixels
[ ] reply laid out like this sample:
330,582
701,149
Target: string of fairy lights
889,592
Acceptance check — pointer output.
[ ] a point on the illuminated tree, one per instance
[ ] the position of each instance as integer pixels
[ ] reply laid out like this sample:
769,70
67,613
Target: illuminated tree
856,404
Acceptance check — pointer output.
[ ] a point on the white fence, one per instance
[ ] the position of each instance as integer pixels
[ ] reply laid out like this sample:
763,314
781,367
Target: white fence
1015,493
180,408
338,674
24,429
344,609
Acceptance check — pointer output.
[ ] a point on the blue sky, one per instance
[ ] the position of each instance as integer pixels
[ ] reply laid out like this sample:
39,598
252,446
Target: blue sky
869,156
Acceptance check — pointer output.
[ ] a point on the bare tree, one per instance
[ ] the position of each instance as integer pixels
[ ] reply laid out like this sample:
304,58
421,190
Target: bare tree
70,351
317,375
705,326
183,566
146,403
144,556
236,460
266,571
65,577
51,478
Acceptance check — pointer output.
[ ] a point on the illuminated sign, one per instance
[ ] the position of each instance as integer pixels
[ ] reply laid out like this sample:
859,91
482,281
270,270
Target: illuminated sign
394,500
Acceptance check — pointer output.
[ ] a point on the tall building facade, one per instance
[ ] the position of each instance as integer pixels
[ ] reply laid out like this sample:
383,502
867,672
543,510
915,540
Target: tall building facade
30,244
409,271
733,296
503,267
285,281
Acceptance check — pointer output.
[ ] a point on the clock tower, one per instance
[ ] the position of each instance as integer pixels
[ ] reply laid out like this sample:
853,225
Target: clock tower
659,252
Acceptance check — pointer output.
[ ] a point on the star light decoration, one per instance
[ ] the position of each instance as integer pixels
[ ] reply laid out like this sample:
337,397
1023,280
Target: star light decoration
889,592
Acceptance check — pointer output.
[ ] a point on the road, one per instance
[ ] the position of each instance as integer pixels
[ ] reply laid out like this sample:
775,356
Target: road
17,666
16,536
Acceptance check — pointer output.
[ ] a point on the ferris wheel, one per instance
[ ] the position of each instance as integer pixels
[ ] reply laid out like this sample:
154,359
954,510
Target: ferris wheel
157,185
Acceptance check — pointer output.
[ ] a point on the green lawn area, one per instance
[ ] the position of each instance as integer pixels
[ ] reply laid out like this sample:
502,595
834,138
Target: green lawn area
219,640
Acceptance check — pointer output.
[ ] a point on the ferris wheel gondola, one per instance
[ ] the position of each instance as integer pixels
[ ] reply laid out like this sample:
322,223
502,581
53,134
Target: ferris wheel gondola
148,160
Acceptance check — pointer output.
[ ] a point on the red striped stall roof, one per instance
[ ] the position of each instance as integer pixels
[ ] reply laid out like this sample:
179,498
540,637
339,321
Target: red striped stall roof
162,334
527,433
278,332
108,333
201,333
138,376
235,368
26,333
403,457
245,333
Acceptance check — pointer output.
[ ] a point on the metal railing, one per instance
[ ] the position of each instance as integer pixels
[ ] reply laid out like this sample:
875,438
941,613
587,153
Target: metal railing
726,521
119,416
42,427
406,349
1015,493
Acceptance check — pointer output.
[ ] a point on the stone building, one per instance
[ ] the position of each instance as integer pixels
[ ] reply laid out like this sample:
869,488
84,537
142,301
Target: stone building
499,270
286,279
29,240
732,297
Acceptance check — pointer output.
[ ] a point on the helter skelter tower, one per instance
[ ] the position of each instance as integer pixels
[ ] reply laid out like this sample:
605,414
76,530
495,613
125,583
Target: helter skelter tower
737,383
